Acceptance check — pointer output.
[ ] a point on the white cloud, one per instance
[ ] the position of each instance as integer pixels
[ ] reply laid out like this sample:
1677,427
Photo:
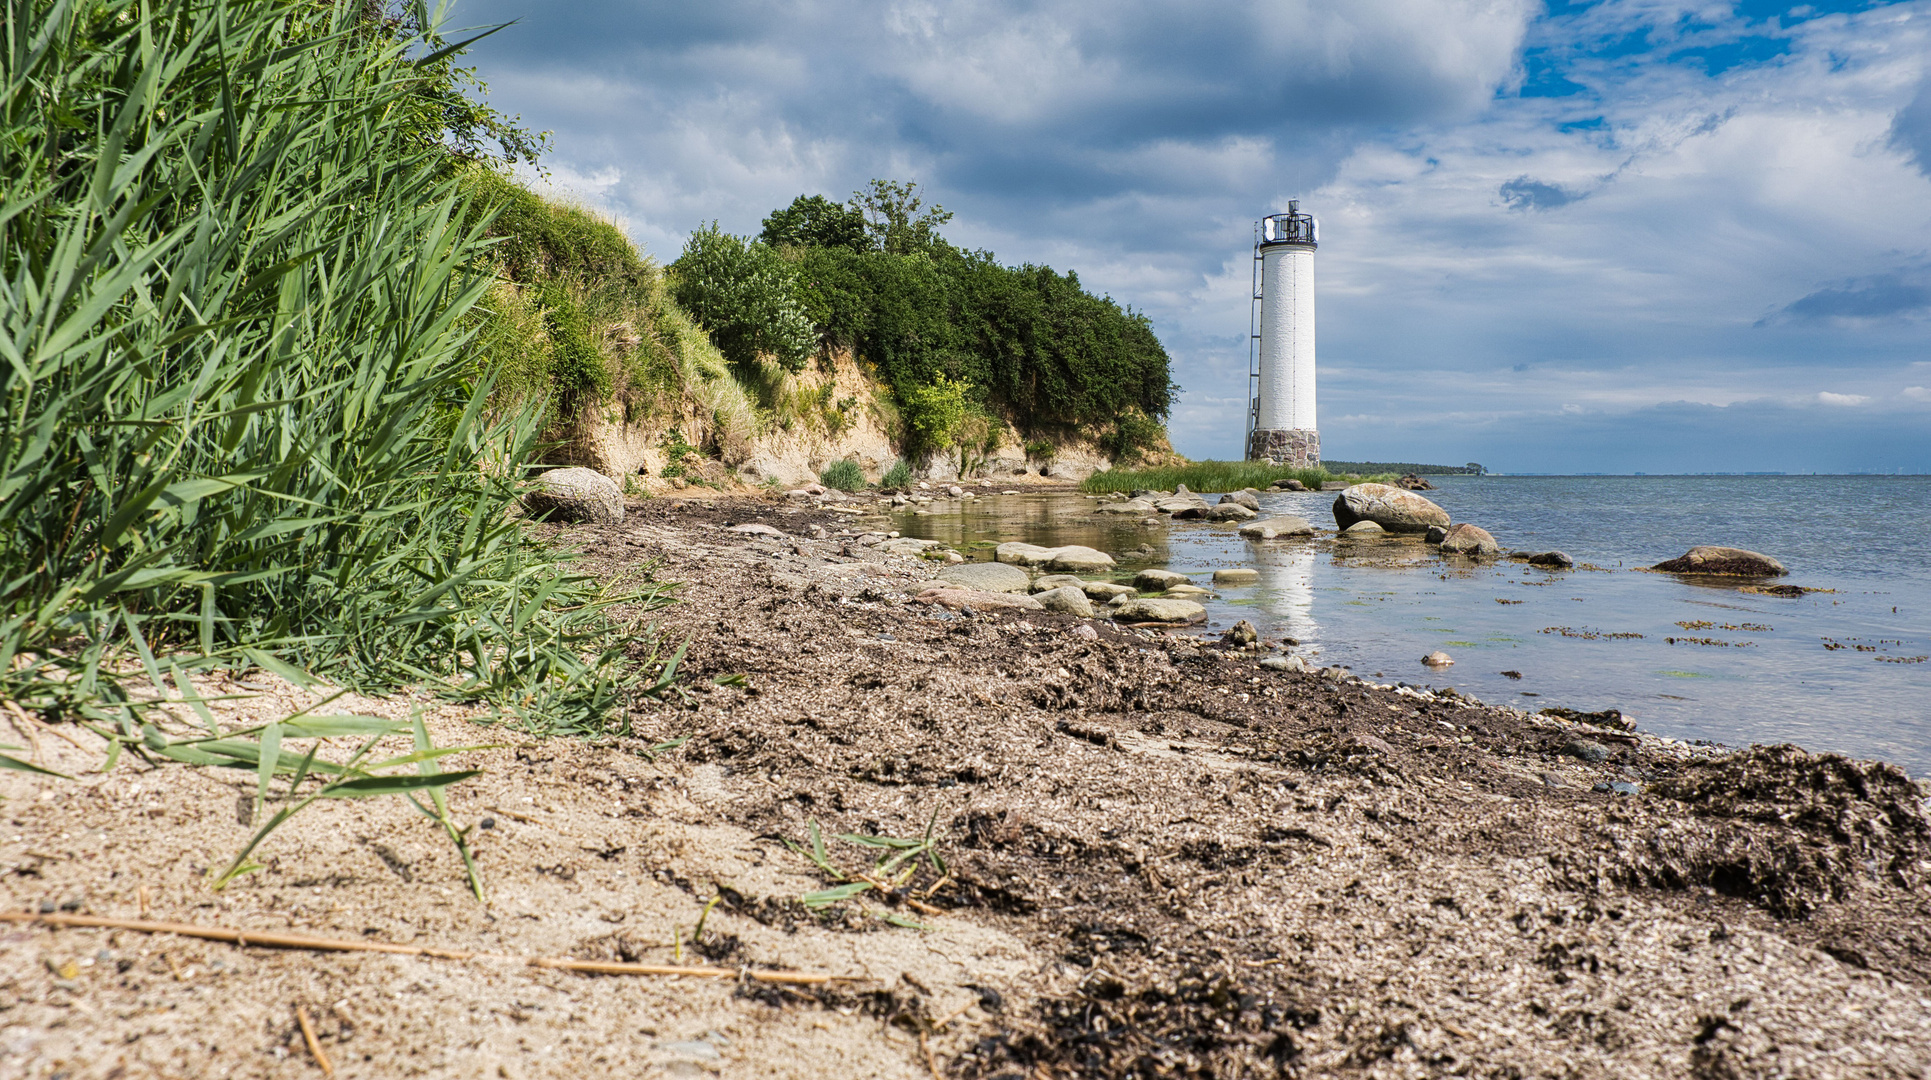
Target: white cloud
1917,393
1825,397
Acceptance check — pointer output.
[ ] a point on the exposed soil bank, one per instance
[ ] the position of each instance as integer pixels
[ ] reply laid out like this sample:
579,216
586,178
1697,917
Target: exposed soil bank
1164,860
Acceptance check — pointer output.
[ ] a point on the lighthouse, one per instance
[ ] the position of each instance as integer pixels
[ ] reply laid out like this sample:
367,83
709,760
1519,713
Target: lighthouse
1281,425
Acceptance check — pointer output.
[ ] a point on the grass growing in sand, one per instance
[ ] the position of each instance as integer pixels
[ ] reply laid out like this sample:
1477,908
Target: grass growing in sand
1203,476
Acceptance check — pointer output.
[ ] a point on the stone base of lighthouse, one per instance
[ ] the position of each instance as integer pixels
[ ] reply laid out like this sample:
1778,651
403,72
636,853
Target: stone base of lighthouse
1298,448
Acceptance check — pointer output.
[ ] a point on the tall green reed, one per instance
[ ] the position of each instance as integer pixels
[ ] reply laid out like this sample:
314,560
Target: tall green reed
240,426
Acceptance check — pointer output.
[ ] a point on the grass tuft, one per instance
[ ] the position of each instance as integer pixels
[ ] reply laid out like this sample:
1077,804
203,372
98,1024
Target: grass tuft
844,474
1203,476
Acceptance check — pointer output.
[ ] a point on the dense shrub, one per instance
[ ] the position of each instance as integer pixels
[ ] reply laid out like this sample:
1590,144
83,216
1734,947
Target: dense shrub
898,476
843,474
744,294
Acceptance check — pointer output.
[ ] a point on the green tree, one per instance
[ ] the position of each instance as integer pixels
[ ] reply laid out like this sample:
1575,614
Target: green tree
934,413
891,213
744,295
816,222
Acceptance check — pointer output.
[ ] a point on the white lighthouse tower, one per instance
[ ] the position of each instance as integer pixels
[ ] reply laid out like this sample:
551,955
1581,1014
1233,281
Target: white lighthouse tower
1281,425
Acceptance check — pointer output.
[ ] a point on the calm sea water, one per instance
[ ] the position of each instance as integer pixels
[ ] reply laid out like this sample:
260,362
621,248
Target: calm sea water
1841,670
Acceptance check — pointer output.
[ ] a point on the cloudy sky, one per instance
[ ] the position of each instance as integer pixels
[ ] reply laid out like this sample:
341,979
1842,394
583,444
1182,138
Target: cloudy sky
1627,235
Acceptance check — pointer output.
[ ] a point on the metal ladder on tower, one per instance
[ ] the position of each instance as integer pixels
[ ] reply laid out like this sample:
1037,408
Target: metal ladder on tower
1253,350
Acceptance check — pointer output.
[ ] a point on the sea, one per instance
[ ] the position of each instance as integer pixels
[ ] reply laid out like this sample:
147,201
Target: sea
1845,669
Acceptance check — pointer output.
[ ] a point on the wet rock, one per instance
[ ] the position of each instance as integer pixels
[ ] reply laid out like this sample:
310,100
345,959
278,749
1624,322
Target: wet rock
1241,633
1438,659
1592,752
1434,534
1195,511
1275,527
1289,484
977,599
1242,498
1363,528
575,494
1157,580
1737,562
1228,512
1130,506
1188,589
1236,575
1067,600
1160,610
1071,558
1175,504
1554,559
1389,507
1471,540
989,577
1411,482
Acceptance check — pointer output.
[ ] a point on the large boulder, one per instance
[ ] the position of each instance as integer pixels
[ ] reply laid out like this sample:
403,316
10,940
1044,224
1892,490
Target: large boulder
1271,528
1071,559
1389,507
1472,540
988,577
1068,600
1151,580
1242,498
1228,512
1180,504
1165,611
1723,560
575,494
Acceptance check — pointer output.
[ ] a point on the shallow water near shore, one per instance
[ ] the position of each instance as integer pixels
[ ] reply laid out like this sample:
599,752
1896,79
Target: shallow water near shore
1842,670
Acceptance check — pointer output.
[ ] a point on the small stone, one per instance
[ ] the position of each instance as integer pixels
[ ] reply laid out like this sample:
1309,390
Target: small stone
1237,575
486,823
1284,663
1105,591
1592,752
755,529
1241,498
1188,589
1552,558
1438,659
1241,633
1227,512
1085,632
1434,534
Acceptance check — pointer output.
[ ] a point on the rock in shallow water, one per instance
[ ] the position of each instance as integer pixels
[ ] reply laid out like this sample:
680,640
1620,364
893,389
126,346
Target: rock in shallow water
1228,512
1284,663
1704,559
1364,528
1471,540
1555,559
1389,507
1274,527
1157,580
1437,659
1241,498
1071,558
1236,575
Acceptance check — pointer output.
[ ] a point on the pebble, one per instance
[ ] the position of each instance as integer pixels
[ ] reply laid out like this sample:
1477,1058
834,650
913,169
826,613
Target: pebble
1085,632
755,529
1241,633
1588,751
1239,575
